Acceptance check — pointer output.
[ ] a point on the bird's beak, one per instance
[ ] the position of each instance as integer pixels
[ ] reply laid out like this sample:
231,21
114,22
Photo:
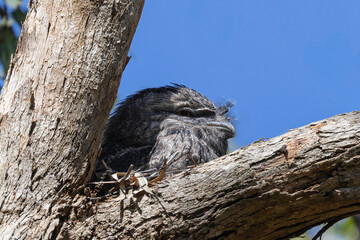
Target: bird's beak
224,126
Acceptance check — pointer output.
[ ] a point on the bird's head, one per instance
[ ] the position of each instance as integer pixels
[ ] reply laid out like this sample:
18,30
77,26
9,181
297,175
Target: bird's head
167,111
139,118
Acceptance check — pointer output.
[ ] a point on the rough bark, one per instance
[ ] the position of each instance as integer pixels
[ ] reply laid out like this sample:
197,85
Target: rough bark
58,93
273,189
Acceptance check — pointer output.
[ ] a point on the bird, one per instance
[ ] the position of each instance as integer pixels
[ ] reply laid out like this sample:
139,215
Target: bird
156,124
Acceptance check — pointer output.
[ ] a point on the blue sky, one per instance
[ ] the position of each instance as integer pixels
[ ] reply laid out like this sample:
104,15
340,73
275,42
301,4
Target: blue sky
284,63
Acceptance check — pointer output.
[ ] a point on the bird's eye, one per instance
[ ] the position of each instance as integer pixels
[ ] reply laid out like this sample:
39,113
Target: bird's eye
185,113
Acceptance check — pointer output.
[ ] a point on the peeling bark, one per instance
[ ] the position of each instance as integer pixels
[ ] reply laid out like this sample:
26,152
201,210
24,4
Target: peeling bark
53,108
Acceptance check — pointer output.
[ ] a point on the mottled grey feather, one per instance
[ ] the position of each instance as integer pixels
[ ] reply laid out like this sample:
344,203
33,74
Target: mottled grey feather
151,125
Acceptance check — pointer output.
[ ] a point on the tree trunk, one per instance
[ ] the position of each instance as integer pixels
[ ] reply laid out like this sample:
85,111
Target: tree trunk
59,90
53,108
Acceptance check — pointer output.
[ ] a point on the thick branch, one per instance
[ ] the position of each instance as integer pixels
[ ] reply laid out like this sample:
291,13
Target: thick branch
58,93
271,189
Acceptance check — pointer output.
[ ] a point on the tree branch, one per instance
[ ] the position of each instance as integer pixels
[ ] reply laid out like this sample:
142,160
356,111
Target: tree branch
273,189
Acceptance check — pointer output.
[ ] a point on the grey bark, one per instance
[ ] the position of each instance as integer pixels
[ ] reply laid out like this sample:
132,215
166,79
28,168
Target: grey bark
58,93
53,108
273,189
